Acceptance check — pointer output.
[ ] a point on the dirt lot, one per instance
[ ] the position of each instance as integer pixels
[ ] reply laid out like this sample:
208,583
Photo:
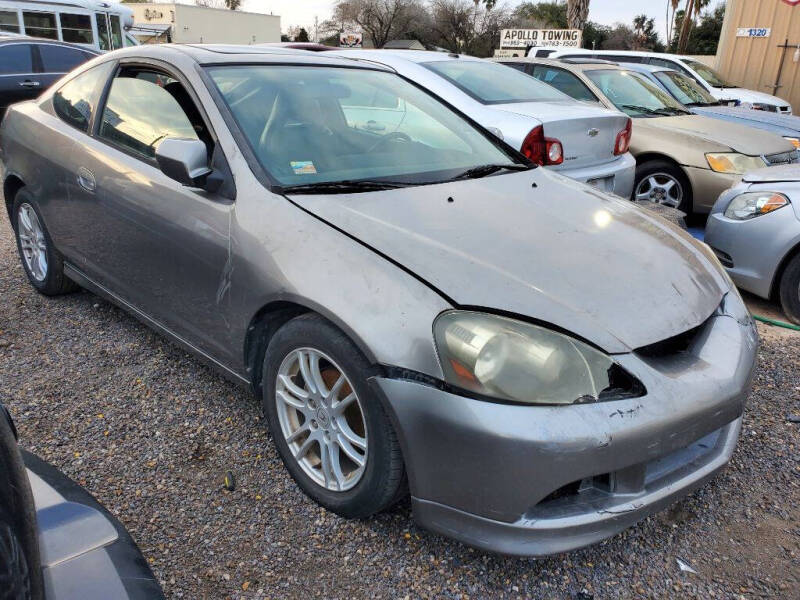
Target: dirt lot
151,432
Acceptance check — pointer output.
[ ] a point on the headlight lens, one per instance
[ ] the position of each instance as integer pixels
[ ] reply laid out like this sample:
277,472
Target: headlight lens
752,204
732,162
515,361
795,141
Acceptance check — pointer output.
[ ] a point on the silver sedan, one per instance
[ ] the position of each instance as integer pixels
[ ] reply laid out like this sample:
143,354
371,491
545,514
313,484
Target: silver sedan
408,302
754,229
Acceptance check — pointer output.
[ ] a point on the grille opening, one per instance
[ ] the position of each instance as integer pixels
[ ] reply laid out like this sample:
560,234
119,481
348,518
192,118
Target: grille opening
725,258
670,346
571,489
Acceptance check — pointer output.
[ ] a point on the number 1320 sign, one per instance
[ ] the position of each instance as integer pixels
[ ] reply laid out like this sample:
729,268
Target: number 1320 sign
754,32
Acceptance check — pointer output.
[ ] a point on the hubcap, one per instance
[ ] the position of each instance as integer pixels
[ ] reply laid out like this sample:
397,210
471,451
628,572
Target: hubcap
660,188
32,241
321,419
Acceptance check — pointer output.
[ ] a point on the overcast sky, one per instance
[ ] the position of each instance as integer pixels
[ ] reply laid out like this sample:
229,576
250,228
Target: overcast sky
607,12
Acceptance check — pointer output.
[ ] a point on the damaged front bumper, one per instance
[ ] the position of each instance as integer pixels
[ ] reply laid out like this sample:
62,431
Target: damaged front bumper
537,480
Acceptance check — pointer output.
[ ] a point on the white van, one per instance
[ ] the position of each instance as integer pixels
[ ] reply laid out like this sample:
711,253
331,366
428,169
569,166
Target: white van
94,24
704,75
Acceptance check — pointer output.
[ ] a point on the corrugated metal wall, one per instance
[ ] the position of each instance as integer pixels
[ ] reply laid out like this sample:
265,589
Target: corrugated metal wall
753,62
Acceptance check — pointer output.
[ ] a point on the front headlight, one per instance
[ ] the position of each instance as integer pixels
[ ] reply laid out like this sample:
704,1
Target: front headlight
752,204
732,162
795,141
515,361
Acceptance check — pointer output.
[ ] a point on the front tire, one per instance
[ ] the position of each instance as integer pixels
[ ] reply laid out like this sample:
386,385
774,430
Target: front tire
790,290
330,430
662,182
43,264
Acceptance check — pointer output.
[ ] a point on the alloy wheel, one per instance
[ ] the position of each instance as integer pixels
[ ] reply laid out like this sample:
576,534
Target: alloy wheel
660,188
32,241
321,419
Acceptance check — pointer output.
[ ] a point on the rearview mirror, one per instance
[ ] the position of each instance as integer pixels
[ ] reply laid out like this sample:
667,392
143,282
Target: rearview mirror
183,160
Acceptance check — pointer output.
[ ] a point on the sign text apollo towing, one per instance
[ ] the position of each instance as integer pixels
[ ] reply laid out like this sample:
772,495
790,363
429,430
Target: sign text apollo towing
527,38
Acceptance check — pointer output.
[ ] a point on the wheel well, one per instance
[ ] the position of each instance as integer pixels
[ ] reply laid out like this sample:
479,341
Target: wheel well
11,186
262,327
648,156
776,280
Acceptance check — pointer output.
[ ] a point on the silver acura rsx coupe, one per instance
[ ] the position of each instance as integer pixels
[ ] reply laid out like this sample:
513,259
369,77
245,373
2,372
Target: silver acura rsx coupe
419,308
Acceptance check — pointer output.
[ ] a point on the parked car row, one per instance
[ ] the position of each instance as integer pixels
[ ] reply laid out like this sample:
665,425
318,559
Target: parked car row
391,250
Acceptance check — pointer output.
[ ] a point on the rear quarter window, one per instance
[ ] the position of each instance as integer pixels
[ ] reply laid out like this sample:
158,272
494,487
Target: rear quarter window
76,101
60,59
15,59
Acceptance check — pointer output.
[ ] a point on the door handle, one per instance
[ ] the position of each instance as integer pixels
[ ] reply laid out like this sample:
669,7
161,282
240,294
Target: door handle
29,84
86,179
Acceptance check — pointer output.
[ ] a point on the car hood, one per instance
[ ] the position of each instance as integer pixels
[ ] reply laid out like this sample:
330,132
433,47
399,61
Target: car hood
784,124
559,252
746,95
740,138
789,173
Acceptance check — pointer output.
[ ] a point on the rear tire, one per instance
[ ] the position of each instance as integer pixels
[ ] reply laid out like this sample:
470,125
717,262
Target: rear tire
43,264
663,182
790,290
310,344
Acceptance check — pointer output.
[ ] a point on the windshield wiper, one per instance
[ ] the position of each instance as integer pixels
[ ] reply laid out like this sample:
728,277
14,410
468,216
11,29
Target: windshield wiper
701,103
664,111
340,187
643,109
484,170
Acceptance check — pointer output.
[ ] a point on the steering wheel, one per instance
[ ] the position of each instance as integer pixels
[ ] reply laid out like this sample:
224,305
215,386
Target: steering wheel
394,136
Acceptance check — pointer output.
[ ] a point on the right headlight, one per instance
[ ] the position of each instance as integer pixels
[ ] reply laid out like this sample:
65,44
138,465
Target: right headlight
795,141
733,162
519,362
752,204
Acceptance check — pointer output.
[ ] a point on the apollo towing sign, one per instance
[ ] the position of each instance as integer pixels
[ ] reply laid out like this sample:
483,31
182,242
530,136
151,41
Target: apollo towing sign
529,38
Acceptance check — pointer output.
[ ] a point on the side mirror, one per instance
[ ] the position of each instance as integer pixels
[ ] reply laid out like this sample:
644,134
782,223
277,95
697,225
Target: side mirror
183,160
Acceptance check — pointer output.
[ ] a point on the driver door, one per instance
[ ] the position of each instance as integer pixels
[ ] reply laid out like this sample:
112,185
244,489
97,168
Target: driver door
160,246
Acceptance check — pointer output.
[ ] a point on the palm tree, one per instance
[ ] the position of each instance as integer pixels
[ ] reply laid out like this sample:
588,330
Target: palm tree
577,13
690,13
671,20
639,24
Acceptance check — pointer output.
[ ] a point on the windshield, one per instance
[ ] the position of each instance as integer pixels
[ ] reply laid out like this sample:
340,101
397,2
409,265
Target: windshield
493,83
633,94
711,77
313,125
684,89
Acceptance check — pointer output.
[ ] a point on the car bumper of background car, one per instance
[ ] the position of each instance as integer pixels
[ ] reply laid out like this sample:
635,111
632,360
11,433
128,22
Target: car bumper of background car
752,250
537,480
615,176
707,185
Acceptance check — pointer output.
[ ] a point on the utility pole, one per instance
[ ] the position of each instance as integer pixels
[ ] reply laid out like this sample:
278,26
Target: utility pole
316,28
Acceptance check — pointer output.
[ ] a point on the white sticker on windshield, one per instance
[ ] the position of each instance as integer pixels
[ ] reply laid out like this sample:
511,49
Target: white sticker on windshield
302,167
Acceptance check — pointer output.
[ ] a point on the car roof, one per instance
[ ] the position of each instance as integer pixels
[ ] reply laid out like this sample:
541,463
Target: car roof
570,65
208,54
416,56
562,50
644,68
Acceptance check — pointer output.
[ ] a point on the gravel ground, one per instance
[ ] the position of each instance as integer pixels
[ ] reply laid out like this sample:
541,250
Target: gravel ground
150,432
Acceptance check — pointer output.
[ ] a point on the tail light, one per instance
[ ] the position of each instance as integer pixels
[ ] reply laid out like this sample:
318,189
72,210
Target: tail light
623,141
541,150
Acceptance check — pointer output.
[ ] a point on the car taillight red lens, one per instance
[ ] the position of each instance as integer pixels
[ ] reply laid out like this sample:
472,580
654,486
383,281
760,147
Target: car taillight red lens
541,150
623,141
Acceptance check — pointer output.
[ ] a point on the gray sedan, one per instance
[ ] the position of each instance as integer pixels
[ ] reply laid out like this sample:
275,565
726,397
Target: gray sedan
754,229
410,305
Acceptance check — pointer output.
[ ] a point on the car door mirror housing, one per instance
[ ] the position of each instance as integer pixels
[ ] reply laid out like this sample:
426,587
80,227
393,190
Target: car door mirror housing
184,160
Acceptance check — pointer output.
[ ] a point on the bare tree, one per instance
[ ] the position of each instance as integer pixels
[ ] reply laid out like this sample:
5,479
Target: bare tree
380,20
577,13
460,26
229,4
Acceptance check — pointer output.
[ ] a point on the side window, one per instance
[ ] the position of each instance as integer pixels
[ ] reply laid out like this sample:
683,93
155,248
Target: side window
103,37
76,28
15,59
9,21
143,108
75,101
515,65
564,81
623,58
60,59
40,24
116,32
660,62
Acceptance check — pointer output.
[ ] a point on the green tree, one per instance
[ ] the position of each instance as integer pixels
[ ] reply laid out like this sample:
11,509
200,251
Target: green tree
542,14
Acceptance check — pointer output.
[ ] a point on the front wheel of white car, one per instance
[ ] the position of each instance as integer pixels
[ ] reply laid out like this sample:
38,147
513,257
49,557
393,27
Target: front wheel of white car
332,433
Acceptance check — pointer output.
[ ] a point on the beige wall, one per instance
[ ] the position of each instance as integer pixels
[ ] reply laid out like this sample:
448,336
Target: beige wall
753,62
194,24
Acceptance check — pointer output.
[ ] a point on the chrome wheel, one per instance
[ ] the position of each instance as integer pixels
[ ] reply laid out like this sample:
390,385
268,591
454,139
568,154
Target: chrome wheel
660,188
32,241
321,419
